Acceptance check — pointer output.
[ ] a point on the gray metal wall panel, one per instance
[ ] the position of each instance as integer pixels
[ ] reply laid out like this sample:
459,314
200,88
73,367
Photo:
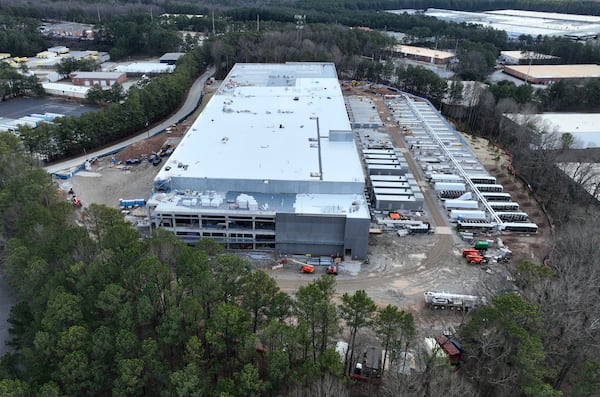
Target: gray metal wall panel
322,235
273,187
357,237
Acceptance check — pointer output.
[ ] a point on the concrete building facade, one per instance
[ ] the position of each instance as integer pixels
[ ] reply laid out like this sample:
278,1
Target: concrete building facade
103,79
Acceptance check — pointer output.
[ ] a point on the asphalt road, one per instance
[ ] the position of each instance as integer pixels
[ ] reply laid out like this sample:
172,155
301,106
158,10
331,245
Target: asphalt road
21,107
190,104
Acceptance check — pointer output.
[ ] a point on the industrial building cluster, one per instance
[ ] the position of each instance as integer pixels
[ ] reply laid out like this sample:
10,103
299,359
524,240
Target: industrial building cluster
281,160
520,22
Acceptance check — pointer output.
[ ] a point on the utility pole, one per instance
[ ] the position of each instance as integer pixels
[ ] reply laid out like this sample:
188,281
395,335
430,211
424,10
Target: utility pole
300,20
258,22
213,22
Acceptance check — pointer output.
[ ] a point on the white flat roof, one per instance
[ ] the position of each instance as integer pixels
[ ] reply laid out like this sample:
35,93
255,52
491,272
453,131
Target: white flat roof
66,88
145,67
261,124
585,127
516,22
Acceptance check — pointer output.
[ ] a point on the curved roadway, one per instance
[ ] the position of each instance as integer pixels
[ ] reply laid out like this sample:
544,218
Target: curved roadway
190,104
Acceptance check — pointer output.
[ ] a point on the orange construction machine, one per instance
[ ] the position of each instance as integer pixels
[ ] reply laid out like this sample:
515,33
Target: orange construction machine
305,268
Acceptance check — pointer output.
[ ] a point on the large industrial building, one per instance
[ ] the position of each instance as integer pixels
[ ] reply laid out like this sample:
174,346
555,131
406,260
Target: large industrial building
270,163
584,127
519,22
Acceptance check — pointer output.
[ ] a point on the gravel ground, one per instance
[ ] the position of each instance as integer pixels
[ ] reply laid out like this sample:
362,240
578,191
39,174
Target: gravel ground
106,183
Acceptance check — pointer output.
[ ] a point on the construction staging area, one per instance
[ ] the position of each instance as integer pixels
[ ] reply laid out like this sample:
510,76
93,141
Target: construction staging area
411,242
281,160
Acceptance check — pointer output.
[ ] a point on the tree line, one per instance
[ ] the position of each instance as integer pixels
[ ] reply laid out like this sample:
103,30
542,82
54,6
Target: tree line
151,101
14,84
104,313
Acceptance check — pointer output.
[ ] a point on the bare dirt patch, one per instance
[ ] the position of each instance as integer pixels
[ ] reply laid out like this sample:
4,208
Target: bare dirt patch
106,183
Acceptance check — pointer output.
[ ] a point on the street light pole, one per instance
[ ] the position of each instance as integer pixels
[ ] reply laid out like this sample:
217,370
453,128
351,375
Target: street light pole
319,146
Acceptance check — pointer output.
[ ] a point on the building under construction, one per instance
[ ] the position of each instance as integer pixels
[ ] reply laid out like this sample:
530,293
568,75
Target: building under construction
270,163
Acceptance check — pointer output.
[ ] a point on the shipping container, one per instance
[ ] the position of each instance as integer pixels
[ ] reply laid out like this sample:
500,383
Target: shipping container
467,214
440,186
461,204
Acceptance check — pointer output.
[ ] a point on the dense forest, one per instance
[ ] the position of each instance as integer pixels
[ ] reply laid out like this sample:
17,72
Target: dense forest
104,313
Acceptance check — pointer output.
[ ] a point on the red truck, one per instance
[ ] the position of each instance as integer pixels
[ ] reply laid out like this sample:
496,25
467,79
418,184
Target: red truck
449,348
476,259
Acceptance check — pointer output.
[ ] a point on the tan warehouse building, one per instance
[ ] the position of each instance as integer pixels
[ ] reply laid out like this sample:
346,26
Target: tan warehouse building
548,74
424,54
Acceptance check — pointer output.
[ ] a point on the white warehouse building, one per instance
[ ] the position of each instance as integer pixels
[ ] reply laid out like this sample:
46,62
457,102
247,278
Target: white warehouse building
270,163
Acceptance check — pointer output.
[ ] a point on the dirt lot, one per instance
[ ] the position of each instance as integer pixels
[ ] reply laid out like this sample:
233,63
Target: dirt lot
399,269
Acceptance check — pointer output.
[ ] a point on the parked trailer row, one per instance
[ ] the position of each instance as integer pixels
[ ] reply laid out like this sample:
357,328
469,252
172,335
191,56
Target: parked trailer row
444,300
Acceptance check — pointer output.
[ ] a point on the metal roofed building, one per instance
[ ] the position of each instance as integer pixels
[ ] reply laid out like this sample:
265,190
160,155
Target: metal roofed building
137,68
546,74
517,22
171,58
424,54
103,79
525,57
270,163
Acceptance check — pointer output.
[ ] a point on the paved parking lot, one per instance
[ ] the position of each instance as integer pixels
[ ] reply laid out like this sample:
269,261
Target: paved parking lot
20,107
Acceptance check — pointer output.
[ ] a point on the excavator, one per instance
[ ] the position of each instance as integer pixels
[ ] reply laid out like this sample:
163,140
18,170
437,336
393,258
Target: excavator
305,268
